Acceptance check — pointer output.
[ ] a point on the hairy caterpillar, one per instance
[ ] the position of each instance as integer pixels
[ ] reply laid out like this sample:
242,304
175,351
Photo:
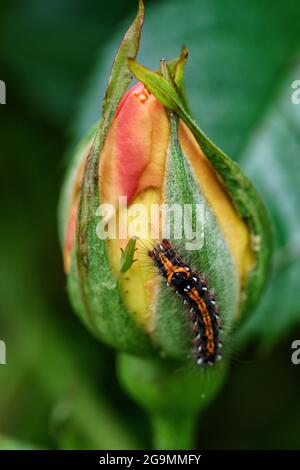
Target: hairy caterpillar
194,291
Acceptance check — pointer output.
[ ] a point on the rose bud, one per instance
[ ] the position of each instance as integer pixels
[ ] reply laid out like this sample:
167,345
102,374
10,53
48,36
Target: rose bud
166,243
152,208
136,163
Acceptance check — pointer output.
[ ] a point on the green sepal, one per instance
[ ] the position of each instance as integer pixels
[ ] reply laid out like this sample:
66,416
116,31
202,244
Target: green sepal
176,68
172,326
120,76
91,281
179,68
75,155
178,75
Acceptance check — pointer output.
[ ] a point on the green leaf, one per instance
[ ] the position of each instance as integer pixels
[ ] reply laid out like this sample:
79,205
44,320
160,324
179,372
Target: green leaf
271,158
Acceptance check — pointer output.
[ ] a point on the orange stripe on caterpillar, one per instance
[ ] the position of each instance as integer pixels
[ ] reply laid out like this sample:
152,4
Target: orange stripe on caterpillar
194,291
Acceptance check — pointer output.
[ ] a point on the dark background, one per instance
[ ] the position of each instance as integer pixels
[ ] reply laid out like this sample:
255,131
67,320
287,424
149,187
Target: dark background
58,388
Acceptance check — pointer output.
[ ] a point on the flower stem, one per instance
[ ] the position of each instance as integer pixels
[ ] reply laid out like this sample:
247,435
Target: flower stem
173,431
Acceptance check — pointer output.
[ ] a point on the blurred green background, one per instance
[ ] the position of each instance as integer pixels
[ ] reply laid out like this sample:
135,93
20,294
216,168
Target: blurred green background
58,388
